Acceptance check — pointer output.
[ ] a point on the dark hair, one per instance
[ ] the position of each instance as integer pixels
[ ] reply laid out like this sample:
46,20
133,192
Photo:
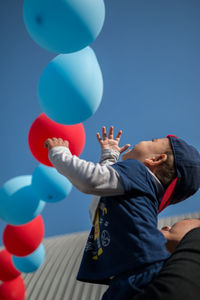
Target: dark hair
167,172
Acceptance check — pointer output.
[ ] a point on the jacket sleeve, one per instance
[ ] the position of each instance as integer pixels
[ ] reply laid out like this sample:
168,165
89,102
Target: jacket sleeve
86,176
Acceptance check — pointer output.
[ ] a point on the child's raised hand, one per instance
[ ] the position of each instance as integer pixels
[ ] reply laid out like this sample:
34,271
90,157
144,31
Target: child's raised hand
54,142
108,142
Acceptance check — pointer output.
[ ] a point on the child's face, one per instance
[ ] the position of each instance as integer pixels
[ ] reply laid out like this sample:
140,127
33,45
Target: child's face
175,233
147,149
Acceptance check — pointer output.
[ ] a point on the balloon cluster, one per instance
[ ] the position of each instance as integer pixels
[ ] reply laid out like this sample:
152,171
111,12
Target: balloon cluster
71,86
20,208
69,91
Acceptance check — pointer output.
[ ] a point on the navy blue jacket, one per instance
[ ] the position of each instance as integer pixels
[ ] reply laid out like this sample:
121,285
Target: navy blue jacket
125,235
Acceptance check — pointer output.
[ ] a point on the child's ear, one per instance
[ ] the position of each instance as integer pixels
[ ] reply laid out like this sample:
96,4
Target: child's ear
155,160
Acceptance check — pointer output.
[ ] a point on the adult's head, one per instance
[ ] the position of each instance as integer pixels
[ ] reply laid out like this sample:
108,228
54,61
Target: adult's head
175,233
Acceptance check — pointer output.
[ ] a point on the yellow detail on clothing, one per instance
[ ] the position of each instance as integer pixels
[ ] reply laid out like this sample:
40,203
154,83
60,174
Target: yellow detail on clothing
105,211
95,257
100,251
96,227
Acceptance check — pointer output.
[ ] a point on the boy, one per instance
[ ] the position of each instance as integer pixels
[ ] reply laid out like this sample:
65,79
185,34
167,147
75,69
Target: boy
125,249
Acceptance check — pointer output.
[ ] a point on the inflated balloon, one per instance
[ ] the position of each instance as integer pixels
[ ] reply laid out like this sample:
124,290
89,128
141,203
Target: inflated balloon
49,185
13,290
19,204
7,269
30,263
24,239
71,86
44,128
64,26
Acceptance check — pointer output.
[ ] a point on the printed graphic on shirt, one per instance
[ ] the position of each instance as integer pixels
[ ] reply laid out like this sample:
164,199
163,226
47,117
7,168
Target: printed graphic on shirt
100,236
105,238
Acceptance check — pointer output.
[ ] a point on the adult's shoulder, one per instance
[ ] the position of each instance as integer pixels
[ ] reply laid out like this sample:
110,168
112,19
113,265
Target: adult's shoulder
179,278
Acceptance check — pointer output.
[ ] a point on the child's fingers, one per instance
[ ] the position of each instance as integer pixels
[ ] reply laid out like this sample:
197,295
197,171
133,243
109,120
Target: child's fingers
66,143
124,148
53,142
110,135
98,137
62,142
119,135
104,134
47,143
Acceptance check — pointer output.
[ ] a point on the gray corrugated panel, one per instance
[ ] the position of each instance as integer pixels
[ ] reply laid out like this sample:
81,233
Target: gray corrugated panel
56,279
45,273
65,254
68,270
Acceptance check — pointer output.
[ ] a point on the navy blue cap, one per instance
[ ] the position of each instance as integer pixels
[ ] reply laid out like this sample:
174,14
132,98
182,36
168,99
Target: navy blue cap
187,164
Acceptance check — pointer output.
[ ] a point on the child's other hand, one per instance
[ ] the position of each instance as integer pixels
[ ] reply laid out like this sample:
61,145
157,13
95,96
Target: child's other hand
54,142
108,142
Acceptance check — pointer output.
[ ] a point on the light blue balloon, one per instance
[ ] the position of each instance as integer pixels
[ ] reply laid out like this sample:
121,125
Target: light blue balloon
64,26
71,87
31,262
49,185
18,202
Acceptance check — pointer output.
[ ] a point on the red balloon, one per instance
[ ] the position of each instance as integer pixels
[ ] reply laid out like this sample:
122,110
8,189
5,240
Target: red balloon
24,239
7,268
13,290
44,128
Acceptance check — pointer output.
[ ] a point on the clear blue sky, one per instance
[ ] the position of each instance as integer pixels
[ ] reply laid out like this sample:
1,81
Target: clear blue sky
149,53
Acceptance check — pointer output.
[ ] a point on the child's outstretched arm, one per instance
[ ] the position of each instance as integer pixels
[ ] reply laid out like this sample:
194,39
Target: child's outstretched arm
88,177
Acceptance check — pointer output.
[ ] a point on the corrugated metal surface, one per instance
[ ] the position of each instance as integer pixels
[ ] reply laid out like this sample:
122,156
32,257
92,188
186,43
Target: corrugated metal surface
56,279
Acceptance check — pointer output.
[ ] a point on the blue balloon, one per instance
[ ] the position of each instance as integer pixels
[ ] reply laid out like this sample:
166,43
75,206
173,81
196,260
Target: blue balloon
64,26
71,87
49,185
31,262
18,202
